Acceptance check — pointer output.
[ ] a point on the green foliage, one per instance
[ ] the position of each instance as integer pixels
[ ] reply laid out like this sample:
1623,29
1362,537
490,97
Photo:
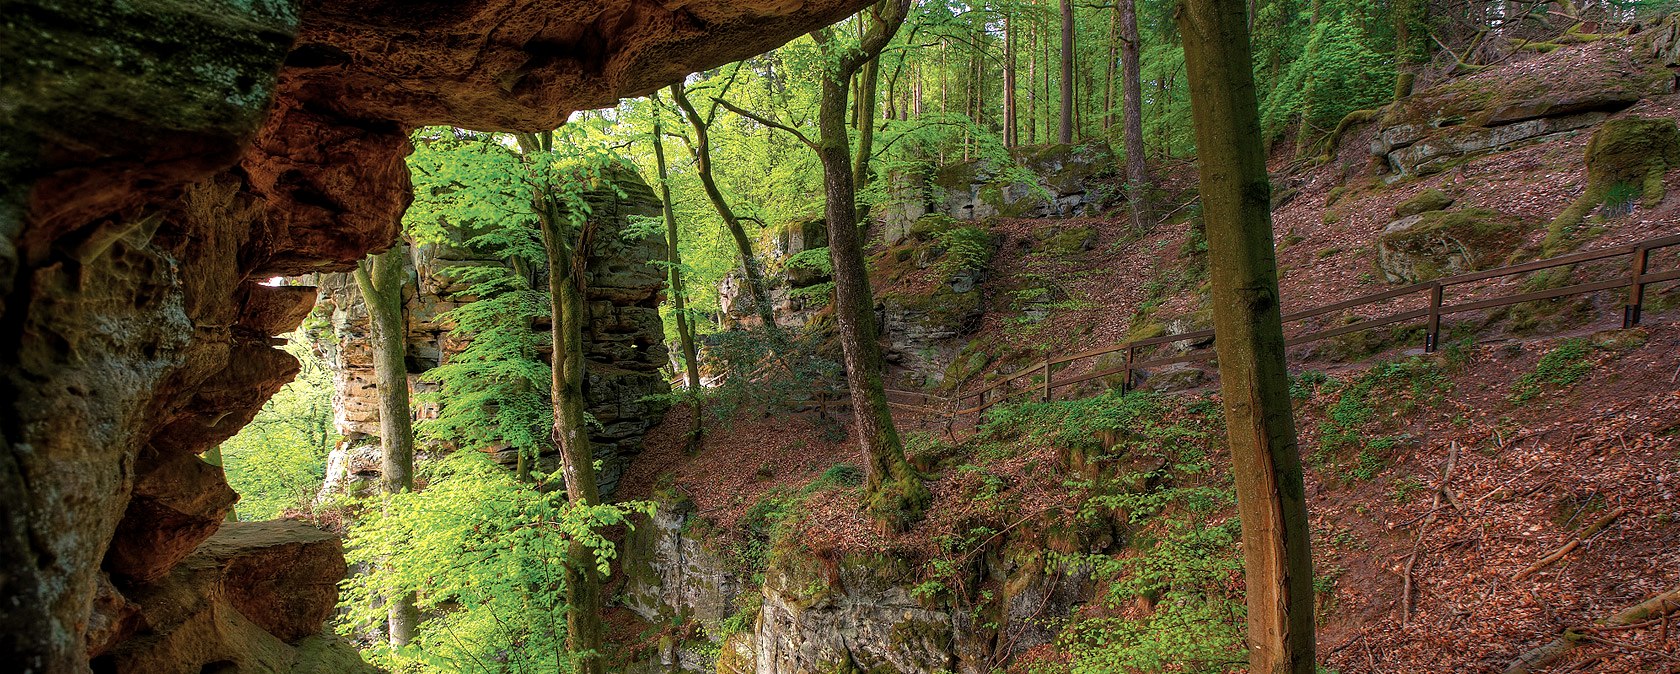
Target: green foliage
1398,385
485,556
277,462
1338,72
1198,618
1562,367
967,249
812,259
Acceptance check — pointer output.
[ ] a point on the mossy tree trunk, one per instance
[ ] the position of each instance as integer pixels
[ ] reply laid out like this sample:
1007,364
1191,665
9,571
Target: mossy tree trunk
743,244
380,279
1254,381
1137,171
868,83
679,304
566,248
895,493
1064,132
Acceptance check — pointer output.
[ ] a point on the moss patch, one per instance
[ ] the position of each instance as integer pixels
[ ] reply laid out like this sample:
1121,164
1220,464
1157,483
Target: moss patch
1442,243
1625,156
1429,200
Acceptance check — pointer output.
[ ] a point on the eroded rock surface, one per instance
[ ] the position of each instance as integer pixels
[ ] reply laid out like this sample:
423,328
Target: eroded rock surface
158,159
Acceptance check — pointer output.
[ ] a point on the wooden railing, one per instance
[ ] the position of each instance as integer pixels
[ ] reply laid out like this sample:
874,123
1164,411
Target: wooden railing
1040,380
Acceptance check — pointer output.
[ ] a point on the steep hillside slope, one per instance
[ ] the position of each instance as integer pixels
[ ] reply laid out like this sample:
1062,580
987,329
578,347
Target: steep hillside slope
1098,533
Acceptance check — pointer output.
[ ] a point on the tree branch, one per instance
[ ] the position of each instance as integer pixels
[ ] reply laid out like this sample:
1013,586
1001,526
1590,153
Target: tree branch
766,122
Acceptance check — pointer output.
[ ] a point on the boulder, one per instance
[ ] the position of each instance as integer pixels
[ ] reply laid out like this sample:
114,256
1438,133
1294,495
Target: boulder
1425,201
1443,243
252,598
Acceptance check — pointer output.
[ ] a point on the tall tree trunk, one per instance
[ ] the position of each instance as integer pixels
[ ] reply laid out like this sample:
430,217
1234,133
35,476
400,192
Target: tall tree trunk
896,495
1254,380
1011,136
868,80
1137,170
380,279
1064,133
743,245
1032,83
679,304
1110,68
566,252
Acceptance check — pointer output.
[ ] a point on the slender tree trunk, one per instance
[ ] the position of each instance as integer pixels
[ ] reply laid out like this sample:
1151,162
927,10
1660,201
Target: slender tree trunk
1064,133
1111,67
571,433
381,280
1032,83
1254,380
743,245
1011,136
868,80
896,494
679,304
1137,170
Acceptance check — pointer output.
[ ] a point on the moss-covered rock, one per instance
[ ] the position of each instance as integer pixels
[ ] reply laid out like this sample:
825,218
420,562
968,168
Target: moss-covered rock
1626,157
1428,200
1442,243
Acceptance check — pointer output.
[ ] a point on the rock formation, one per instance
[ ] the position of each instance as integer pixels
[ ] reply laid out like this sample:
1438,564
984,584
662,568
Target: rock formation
162,158
624,341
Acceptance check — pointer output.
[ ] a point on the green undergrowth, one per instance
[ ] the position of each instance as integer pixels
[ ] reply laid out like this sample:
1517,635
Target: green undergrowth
1571,362
1360,429
1141,469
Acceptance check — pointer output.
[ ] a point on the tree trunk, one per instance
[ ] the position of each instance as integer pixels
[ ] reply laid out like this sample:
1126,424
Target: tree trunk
1010,136
1137,170
381,288
571,434
1064,133
1032,83
1254,381
679,304
1109,68
896,495
743,245
868,81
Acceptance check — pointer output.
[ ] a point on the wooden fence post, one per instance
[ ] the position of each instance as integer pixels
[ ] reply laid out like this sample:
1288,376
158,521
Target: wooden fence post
1126,377
1432,338
1636,289
1047,393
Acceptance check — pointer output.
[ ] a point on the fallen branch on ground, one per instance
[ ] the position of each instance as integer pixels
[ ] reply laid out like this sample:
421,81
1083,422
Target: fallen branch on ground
1655,607
1411,560
1591,530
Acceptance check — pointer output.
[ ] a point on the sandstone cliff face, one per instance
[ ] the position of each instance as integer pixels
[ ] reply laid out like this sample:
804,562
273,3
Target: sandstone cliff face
857,613
158,159
624,341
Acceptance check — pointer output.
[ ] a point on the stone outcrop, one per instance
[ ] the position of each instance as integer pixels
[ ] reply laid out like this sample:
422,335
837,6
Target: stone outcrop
854,613
1434,244
159,159
1562,92
797,288
251,598
1050,181
624,340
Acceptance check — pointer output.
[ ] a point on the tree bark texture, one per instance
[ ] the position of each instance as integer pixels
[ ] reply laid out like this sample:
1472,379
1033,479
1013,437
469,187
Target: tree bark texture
1131,84
896,493
1254,381
1064,133
381,279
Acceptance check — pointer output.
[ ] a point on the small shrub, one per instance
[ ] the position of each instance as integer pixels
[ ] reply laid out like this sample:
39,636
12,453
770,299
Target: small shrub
1560,368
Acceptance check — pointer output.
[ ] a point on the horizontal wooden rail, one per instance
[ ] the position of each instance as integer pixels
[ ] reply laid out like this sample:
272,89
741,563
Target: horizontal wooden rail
1004,389
1039,379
